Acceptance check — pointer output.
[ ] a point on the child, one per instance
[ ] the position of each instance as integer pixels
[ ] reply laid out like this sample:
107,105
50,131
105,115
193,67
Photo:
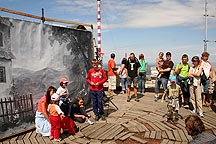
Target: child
159,63
78,112
62,91
123,76
96,78
55,118
174,91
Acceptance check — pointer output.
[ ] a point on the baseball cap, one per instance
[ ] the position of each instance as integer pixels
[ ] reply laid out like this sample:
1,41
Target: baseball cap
63,80
55,97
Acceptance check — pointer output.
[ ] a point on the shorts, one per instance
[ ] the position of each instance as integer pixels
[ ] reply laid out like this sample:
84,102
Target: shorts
133,80
112,82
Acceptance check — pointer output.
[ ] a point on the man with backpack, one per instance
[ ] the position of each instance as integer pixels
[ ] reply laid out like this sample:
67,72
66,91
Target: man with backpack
133,67
181,72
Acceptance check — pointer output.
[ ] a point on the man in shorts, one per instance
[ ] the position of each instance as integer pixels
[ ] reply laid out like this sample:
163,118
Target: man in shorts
133,67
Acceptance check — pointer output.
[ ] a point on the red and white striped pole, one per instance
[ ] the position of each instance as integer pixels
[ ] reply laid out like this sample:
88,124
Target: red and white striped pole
99,29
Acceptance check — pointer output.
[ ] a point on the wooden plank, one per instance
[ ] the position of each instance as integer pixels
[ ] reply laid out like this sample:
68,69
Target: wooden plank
188,136
161,127
91,129
13,140
46,140
164,135
20,141
79,135
182,135
82,140
130,127
109,132
27,136
165,126
100,131
158,135
154,126
115,133
165,141
177,136
26,141
120,135
152,134
147,134
214,131
138,139
171,125
170,135
40,140
126,136
141,127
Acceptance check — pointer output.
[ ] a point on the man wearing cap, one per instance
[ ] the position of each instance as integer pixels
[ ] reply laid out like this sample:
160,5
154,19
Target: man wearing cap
165,69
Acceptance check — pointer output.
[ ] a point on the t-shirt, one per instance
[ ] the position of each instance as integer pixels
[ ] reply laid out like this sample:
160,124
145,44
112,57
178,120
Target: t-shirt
173,91
143,64
132,67
43,99
184,71
167,64
54,110
111,65
207,67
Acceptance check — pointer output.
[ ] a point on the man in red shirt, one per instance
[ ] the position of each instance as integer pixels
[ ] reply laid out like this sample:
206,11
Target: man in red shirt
96,78
111,75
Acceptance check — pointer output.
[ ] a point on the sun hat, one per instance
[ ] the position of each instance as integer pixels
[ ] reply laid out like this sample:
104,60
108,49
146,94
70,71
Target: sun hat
63,80
55,97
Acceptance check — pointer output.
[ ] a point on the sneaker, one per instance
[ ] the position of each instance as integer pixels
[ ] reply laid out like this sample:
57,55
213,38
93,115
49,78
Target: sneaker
128,100
136,99
97,118
156,98
57,140
201,115
103,118
193,111
90,122
186,106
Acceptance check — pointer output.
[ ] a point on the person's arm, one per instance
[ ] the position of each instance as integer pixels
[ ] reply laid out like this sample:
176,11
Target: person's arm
104,78
164,94
44,111
178,69
198,73
79,116
146,68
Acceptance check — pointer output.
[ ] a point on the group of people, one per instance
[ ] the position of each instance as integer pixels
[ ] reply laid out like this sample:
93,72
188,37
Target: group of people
56,112
193,81
132,71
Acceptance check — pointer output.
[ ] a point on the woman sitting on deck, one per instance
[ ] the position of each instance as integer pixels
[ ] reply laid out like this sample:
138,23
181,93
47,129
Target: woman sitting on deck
42,122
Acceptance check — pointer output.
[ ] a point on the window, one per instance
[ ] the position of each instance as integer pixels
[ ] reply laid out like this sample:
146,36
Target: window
2,74
1,39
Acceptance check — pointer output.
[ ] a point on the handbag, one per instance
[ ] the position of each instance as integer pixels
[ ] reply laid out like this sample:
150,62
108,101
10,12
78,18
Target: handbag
203,78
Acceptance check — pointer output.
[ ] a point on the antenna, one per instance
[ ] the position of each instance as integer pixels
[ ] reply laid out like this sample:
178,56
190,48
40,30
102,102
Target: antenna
206,27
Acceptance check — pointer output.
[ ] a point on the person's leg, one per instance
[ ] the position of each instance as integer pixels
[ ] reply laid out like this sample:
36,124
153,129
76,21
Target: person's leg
129,80
157,88
144,80
140,83
93,95
100,104
205,91
126,84
192,98
199,99
79,120
122,85
135,84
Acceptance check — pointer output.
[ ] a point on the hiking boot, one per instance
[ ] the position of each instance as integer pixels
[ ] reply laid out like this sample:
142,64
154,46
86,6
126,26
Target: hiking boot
103,118
156,98
97,118
186,106
201,115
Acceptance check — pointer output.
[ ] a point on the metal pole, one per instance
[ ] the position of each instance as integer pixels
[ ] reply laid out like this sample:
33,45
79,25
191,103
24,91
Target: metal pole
206,15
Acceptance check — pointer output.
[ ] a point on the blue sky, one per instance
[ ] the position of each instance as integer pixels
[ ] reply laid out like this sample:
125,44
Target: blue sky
139,26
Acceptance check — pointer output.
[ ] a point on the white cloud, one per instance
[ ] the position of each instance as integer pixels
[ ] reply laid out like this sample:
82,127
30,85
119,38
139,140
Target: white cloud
142,13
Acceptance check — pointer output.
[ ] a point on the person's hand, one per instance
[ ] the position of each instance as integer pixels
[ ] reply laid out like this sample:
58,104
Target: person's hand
62,116
83,117
92,83
180,66
97,84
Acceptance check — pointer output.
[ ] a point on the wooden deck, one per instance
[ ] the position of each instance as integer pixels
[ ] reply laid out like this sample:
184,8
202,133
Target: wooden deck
135,122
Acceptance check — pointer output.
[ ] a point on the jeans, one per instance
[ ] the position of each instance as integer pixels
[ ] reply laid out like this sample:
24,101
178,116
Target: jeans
81,112
205,86
97,100
160,81
141,84
183,83
124,84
